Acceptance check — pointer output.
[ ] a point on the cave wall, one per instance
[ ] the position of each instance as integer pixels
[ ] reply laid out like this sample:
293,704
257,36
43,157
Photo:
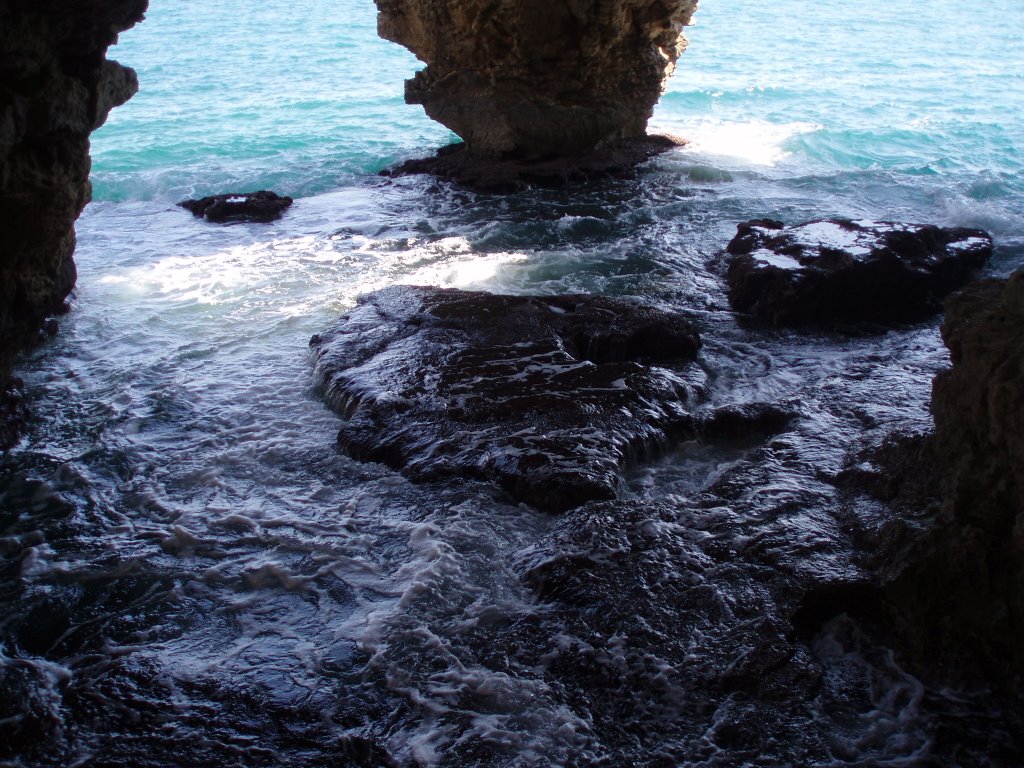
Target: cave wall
959,605
56,87
539,78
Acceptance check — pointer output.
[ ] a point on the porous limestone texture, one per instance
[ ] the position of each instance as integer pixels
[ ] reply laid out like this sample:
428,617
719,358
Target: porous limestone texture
56,87
539,78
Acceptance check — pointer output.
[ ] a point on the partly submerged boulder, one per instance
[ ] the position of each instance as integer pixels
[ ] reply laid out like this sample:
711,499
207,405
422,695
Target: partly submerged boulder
539,79
548,396
262,206
849,271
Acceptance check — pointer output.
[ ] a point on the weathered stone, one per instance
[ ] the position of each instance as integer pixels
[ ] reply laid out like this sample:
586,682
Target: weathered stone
548,396
539,78
494,174
55,88
849,271
262,206
947,547
13,410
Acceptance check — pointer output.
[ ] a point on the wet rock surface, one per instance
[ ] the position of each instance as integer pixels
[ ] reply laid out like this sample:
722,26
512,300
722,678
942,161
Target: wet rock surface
849,271
13,410
56,87
548,396
488,174
534,80
262,206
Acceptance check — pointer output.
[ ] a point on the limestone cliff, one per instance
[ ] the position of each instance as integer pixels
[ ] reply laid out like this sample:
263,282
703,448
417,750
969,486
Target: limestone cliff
539,78
56,87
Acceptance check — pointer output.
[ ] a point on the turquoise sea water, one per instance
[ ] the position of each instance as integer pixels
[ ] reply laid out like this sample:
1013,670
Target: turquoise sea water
906,106
193,565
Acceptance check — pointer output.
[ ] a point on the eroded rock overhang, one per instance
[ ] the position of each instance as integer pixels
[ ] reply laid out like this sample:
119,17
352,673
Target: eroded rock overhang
539,78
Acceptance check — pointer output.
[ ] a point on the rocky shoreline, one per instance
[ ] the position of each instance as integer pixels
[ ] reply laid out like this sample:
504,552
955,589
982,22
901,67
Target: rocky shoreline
553,396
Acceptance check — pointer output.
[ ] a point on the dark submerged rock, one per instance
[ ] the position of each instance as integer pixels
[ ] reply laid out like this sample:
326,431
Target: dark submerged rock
508,174
262,206
849,271
548,396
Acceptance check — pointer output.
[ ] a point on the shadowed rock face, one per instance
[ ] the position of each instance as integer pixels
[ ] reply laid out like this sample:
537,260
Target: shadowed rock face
960,607
849,271
539,78
56,87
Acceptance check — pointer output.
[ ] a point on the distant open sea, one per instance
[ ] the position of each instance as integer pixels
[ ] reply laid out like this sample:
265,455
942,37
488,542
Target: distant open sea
205,579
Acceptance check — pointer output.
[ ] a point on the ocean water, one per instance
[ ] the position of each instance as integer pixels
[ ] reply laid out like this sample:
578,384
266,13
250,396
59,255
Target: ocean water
194,574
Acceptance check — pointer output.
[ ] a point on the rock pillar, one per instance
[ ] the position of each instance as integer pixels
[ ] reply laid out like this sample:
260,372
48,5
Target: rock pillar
539,78
56,87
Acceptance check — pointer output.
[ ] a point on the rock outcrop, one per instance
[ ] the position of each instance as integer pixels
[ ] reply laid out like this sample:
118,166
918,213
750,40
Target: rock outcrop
959,606
262,206
849,271
547,396
539,78
56,87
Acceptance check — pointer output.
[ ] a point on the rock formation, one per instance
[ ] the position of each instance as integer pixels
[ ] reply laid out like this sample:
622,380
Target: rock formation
547,396
849,271
960,605
539,78
262,206
56,87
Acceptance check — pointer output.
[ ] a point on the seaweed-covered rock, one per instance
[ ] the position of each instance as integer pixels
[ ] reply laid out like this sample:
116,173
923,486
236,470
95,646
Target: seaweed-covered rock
849,271
548,396
262,206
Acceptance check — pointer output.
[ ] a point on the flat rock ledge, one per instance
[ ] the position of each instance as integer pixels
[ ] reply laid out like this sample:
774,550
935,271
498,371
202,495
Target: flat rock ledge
262,206
546,396
845,271
510,174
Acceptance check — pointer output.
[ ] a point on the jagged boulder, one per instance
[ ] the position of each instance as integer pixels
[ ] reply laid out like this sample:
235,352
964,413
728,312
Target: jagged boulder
56,87
849,271
539,78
